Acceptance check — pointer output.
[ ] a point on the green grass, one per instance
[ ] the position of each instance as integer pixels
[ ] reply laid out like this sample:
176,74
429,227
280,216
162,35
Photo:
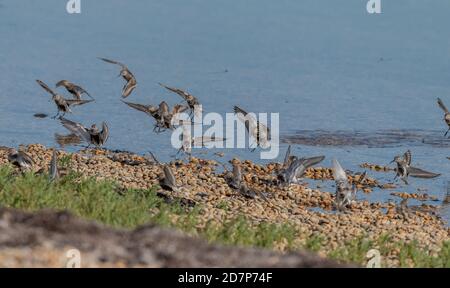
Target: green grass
105,202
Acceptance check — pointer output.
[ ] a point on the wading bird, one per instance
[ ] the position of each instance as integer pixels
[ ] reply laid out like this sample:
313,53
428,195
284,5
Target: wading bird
20,158
446,114
235,179
168,182
193,103
73,89
345,192
257,130
62,104
90,135
126,74
296,170
53,169
404,168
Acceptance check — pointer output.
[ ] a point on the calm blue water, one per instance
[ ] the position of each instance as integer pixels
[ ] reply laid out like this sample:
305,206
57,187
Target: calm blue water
321,64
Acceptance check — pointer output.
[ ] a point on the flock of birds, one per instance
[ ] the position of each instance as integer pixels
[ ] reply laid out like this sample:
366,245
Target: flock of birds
292,170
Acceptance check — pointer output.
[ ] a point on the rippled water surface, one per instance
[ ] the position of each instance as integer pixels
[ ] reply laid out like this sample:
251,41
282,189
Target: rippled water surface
350,85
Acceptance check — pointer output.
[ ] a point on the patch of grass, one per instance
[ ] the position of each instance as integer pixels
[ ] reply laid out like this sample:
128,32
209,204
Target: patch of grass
409,254
314,243
88,198
240,231
412,256
65,161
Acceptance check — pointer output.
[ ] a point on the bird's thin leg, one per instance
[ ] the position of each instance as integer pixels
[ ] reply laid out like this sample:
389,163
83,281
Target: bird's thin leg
448,130
57,114
404,180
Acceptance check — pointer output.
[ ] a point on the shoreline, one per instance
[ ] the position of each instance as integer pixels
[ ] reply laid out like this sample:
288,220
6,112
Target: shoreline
218,203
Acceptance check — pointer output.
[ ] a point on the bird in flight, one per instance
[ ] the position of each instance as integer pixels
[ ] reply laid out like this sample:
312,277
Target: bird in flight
73,89
92,136
62,104
193,103
446,114
126,74
404,168
150,110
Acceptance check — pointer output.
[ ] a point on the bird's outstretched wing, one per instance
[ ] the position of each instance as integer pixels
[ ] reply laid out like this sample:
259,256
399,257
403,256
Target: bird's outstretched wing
81,90
338,172
169,178
104,135
180,92
442,105
287,157
77,129
250,122
408,157
26,157
113,62
128,88
163,108
419,173
46,88
76,102
140,107
255,128
313,161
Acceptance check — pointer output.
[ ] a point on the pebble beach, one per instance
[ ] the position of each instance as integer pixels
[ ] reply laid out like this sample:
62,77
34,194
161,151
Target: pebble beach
203,183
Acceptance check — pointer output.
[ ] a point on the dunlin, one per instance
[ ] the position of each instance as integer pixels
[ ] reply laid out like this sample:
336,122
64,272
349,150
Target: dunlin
73,89
168,119
345,192
257,130
126,74
404,168
236,177
168,182
90,135
296,170
62,104
446,114
53,169
20,158
192,101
